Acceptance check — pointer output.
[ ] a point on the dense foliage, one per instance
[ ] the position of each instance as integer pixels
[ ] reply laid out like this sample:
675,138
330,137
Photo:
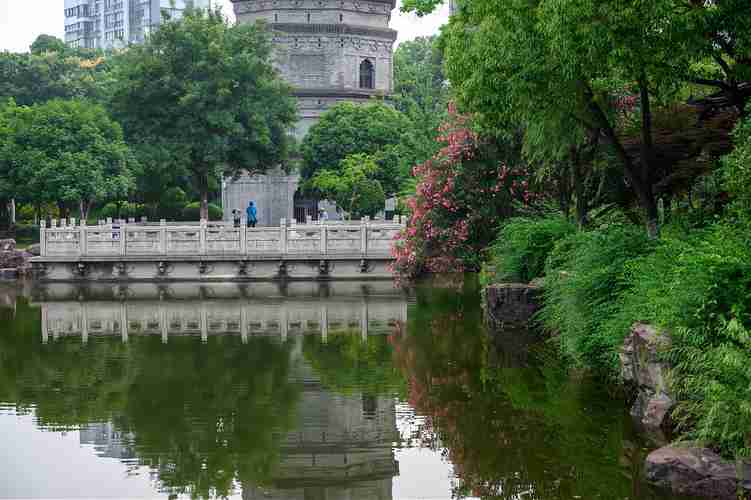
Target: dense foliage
64,151
353,186
202,97
376,130
463,192
522,247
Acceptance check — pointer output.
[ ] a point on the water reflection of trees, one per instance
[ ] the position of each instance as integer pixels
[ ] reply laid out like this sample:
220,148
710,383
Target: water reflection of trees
512,429
347,363
201,415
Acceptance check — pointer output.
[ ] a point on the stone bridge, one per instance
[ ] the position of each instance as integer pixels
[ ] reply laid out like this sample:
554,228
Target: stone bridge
215,251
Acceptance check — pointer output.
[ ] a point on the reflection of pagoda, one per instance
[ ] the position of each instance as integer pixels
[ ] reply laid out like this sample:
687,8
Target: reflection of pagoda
341,447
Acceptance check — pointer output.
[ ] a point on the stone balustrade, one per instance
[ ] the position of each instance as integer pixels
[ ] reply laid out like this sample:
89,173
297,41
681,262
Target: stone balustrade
130,239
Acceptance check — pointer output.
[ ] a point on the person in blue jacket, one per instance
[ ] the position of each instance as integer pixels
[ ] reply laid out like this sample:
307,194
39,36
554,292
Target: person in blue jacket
252,214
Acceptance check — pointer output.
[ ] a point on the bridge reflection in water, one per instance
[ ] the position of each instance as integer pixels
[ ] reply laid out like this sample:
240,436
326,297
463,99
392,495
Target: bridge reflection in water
205,310
340,445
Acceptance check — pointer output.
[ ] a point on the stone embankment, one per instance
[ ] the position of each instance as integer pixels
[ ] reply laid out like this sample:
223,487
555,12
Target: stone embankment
14,263
643,370
682,468
511,304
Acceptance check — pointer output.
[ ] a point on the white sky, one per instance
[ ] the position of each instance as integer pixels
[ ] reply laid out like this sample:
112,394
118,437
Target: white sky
21,21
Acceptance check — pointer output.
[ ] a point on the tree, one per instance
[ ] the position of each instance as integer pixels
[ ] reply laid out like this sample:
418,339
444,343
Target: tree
207,96
68,152
377,130
421,92
44,75
550,66
47,43
353,186
462,194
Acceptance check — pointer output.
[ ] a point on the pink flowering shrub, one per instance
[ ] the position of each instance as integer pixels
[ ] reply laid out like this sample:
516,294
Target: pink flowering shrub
462,193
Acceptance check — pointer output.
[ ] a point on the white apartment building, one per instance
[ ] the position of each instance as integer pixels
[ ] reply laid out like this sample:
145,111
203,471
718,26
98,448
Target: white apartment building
107,24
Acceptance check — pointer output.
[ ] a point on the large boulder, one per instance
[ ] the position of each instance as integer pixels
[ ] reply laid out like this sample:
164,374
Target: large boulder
7,245
511,304
642,368
698,472
35,250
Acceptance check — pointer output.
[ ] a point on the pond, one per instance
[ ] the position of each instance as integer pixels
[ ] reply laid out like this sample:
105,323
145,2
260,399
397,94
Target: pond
332,391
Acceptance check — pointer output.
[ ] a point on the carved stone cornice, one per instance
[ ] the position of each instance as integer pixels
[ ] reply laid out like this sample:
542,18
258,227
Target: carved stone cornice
339,93
354,5
333,29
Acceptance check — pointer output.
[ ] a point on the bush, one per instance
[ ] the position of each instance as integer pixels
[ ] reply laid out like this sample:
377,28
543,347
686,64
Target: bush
121,211
523,245
172,203
584,278
27,233
736,168
699,288
192,212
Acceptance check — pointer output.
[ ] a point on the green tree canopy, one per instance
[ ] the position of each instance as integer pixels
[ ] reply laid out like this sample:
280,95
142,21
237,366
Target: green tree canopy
377,130
65,152
206,95
47,74
47,43
353,185
421,92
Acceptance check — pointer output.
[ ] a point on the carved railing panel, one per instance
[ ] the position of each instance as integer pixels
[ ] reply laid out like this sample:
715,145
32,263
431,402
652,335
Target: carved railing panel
367,238
304,240
262,241
142,241
184,241
344,239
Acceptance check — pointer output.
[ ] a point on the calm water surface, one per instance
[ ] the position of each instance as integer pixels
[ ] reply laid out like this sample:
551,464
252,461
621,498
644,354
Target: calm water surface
308,391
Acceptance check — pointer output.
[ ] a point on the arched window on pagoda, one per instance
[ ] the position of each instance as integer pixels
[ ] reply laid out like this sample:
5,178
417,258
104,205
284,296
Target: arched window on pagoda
367,75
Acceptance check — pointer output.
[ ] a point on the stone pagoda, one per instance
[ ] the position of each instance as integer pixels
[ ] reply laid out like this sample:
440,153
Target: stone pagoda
328,50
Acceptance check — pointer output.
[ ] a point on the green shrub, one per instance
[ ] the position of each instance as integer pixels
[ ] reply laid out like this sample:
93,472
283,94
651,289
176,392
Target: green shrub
121,211
699,288
523,245
172,203
27,233
192,212
584,278
736,168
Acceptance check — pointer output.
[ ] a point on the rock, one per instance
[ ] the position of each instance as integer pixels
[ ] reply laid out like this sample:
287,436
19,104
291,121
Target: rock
642,368
35,250
7,245
14,259
697,472
511,304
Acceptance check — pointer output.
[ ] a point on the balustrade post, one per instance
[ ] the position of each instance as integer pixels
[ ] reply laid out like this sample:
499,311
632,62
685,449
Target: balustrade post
123,237
43,238
163,236
83,246
324,239
364,235
308,219
283,236
244,235
202,237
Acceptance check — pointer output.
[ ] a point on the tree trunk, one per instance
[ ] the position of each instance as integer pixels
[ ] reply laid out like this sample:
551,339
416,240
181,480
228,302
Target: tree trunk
581,204
641,184
83,209
62,209
204,202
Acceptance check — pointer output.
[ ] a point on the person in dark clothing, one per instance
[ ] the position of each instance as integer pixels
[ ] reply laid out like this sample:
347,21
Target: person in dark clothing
251,212
236,217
